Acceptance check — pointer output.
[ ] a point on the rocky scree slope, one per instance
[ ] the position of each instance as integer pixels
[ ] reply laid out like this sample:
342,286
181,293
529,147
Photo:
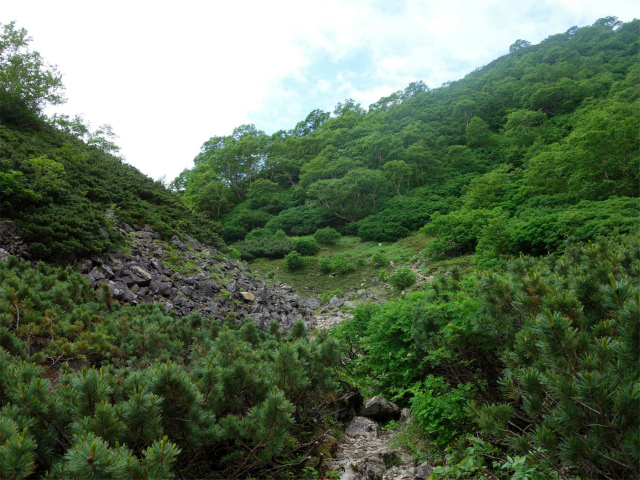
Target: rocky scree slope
184,277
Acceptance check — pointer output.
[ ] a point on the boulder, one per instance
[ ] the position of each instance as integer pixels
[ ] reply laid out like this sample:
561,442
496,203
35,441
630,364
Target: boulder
145,277
381,409
423,471
347,406
364,427
176,241
248,296
372,469
335,302
96,274
120,292
161,288
311,303
85,265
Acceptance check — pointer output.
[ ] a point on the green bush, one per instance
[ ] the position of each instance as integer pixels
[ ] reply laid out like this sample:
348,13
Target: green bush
373,230
378,259
327,236
294,261
258,233
341,265
306,246
456,233
155,376
402,278
336,264
440,409
400,217
325,265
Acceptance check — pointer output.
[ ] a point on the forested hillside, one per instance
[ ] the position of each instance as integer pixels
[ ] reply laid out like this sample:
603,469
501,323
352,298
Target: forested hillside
58,178
536,147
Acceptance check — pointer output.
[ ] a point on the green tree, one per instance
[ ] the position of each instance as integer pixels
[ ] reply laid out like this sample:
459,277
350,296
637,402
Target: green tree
398,173
26,80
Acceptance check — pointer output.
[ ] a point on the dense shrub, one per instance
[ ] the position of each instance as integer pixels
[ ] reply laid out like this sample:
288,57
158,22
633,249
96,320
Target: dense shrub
268,247
456,233
540,356
163,391
301,220
389,231
400,217
342,265
294,261
402,278
325,265
306,246
258,233
327,236
378,259
336,264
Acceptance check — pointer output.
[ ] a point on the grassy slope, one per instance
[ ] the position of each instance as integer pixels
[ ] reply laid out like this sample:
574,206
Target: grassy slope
310,282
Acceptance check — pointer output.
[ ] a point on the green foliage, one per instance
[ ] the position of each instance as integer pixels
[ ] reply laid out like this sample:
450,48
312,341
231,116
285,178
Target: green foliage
28,82
327,236
456,233
336,264
294,261
163,392
558,119
269,247
440,409
379,259
306,246
543,358
399,217
402,278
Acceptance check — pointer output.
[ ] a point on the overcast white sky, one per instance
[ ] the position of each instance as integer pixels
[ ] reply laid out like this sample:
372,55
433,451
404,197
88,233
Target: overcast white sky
169,75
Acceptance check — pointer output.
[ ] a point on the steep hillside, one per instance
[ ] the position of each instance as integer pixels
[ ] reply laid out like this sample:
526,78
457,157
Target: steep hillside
516,157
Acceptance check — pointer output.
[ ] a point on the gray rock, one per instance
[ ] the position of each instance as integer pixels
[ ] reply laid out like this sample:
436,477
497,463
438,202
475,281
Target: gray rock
380,408
120,292
311,303
193,243
176,241
361,426
96,274
335,302
423,470
142,274
108,273
372,469
161,288
349,304
345,409
405,414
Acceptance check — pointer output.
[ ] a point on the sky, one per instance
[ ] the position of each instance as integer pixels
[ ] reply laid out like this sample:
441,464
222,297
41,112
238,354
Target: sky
167,76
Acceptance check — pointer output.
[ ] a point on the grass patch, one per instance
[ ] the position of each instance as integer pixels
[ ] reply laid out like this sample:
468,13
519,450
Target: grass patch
308,281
